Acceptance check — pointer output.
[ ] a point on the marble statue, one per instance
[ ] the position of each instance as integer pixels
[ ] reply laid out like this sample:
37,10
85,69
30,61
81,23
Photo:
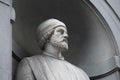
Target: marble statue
50,65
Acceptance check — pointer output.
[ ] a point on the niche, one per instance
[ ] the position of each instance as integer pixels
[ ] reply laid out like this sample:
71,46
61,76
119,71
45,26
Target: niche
90,41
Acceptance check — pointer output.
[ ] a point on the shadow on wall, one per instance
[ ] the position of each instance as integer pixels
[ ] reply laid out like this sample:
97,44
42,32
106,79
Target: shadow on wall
89,39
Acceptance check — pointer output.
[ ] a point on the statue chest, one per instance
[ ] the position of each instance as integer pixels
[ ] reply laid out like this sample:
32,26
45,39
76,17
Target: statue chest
47,68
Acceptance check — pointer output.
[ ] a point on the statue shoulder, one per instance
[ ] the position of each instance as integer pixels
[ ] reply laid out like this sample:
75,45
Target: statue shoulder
26,60
24,64
24,70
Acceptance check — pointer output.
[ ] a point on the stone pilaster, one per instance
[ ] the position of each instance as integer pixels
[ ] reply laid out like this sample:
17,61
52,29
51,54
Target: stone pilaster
6,15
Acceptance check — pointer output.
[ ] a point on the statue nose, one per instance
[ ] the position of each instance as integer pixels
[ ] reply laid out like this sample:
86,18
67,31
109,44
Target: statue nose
66,35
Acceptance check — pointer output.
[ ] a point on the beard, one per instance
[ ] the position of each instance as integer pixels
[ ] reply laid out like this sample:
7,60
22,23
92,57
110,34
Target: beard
62,45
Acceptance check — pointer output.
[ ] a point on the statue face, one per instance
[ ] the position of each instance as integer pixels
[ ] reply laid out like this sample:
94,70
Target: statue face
59,38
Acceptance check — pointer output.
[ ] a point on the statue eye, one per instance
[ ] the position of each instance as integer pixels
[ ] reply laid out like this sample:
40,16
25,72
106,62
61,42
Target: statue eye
60,31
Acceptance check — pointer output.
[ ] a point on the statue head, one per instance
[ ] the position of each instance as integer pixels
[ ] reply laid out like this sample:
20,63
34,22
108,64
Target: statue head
54,32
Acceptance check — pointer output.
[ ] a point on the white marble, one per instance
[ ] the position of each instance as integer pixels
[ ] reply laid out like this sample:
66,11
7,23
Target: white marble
5,43
51,64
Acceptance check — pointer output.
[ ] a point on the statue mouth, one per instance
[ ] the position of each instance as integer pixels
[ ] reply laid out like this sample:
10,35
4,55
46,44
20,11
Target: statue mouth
65,40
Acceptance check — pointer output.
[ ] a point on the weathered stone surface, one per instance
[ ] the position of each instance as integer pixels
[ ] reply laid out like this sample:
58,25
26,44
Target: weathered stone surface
6,2
5,42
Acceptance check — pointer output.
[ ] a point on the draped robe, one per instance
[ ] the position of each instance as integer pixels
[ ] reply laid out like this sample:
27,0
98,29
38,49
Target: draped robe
44,67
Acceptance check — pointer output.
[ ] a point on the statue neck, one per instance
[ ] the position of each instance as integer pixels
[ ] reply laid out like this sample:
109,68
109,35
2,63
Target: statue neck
52,51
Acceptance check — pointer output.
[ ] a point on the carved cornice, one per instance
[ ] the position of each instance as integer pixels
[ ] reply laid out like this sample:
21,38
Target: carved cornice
13,15
6,2
105,74
9,4
113,64
18,59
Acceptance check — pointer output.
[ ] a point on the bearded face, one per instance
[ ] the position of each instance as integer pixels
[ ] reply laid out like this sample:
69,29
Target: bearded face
59,38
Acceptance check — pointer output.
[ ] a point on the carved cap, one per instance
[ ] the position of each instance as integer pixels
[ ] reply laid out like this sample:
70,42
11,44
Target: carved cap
46,28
